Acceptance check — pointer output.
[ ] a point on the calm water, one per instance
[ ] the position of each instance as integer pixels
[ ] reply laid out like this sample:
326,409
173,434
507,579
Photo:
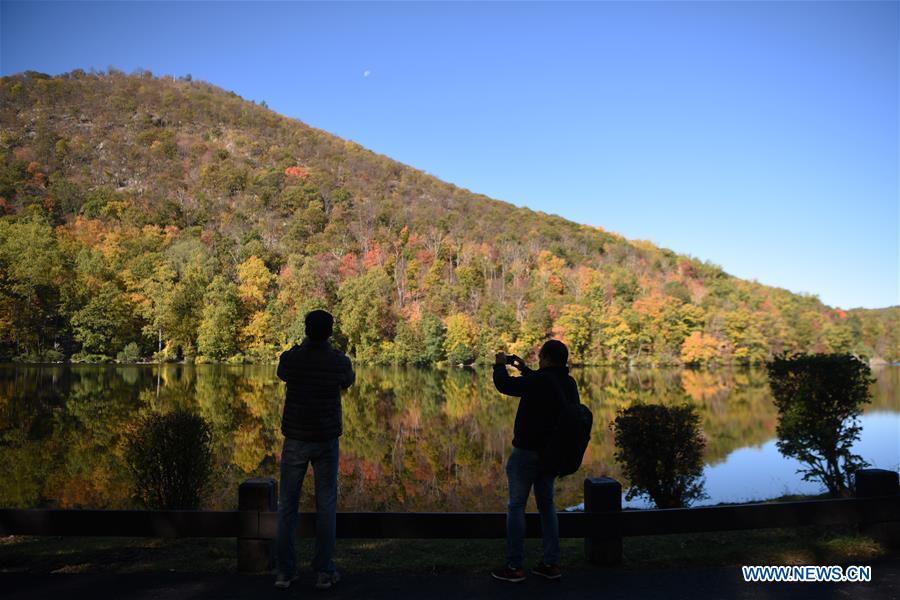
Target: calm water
414,440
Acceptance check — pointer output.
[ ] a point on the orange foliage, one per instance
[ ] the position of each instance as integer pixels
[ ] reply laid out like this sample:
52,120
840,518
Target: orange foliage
425,257
300,172
412,312
374,256
345,465
703,385
86,232
555,284
348,266
652,306
700,349
171,232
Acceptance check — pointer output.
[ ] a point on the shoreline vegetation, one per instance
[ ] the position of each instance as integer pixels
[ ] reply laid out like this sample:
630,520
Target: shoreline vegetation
145,216
874,363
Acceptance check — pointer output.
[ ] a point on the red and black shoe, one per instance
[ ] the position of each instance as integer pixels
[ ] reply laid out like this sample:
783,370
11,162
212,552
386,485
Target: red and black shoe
508,573
547,571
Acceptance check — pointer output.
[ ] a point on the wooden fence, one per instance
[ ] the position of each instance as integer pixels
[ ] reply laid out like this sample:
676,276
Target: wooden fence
603,524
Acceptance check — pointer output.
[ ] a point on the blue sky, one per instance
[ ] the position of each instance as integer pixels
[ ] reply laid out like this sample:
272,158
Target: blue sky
761,136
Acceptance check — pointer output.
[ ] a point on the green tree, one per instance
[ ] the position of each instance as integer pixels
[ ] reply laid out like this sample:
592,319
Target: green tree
33,272
181,311
105,324
747,340
433,335
217,337
364,313
819,399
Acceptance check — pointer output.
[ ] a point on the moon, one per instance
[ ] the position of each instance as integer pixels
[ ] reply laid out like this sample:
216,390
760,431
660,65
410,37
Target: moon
366,73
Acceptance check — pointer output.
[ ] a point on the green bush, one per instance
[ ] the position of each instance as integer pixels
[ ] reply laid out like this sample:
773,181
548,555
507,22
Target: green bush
131,353
660,449
819,398
170,459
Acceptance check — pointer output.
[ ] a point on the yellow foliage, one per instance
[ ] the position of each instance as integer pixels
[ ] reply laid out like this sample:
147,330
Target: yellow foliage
698,348
254,281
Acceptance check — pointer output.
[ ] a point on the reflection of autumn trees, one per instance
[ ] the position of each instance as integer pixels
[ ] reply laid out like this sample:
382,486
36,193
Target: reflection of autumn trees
414,439
886,389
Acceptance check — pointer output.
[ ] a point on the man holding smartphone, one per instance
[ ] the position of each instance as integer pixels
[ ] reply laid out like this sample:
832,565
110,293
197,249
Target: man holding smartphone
542,394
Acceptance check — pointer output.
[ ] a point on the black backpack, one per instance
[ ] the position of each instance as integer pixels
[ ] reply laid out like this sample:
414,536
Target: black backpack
570,437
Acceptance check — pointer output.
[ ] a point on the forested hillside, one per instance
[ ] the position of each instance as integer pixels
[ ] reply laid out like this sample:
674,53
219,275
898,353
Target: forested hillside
164,219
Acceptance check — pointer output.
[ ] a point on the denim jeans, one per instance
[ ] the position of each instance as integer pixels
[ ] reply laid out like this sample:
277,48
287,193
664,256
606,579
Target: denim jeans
522,473
295,459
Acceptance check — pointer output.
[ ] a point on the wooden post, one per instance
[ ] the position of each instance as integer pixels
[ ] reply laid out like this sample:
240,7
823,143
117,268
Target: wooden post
603,546
257,554
870,483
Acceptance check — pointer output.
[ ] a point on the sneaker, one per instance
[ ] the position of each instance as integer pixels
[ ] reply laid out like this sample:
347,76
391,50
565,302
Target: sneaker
325,580
547,571
283,582
508,573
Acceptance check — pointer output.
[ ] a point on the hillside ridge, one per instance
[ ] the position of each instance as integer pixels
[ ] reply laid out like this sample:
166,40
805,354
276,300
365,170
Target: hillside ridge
172,219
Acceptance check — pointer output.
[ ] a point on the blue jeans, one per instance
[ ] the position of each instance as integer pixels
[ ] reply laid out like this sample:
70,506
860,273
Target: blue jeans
295,459
522,473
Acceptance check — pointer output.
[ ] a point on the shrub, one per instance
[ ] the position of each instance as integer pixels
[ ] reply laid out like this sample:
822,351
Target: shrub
170,458
131,353
660,449
819,398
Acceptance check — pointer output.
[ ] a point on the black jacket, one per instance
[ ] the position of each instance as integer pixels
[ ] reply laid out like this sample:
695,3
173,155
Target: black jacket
540,392
315,374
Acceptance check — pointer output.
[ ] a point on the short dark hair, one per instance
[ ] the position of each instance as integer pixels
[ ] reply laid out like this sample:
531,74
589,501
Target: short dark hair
556,352
319,325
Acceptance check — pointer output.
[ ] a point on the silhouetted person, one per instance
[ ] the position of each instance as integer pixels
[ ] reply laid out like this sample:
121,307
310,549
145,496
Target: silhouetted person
315,374
542,394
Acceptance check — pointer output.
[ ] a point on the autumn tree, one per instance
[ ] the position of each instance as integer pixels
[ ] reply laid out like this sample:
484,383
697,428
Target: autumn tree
460,343
700,349
217,336
576,329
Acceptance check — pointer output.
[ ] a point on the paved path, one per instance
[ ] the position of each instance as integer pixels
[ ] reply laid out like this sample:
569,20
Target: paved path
607,584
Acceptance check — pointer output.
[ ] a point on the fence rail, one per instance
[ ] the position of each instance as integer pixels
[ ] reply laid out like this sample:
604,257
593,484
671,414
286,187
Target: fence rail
264,524
602,525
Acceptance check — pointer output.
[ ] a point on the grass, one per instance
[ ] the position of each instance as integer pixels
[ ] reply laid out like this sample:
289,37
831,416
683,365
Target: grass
810,545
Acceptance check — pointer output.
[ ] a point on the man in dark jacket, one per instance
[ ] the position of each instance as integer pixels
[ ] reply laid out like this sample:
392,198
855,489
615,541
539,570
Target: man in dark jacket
315,374
541,394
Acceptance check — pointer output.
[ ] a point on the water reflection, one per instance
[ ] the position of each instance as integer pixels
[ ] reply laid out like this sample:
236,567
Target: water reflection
414,439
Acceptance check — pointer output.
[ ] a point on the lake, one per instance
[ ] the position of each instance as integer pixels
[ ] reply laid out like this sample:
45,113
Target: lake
414,439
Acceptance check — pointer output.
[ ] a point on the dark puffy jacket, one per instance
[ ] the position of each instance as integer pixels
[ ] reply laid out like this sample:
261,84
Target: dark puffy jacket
542,393
315,374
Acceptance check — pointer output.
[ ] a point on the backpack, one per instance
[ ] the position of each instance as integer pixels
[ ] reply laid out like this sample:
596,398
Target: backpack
570,437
